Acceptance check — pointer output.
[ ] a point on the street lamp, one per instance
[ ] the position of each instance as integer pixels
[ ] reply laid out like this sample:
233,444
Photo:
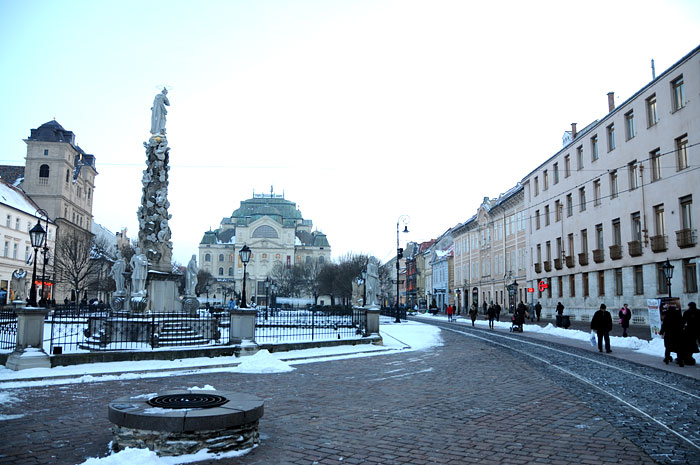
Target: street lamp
399,254
244,253
36,236
267,290
668,274
512,290
46,256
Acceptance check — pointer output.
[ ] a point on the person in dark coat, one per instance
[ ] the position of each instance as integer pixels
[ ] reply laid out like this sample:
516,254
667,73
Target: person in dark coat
491,314
625,315
497,307
473,311
691,319
560,309
538,310
519,317
602,324
672,332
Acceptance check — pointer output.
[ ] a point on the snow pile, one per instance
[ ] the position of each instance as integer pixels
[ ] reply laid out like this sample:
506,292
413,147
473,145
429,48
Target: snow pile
207,387
409,335
262,362
130,456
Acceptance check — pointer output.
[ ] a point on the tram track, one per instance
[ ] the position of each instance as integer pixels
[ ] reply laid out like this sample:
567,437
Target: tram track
658,410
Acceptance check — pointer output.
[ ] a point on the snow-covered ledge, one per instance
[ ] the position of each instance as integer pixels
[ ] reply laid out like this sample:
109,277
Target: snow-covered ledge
29,352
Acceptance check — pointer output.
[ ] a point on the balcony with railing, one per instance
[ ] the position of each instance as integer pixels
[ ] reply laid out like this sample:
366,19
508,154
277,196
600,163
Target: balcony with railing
686,238
557,263
616,252
583,258
599,255
538,267
570,261
658,243
634,248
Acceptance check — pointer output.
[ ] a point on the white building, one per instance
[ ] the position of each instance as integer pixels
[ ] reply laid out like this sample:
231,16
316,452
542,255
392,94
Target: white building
607,210
19,214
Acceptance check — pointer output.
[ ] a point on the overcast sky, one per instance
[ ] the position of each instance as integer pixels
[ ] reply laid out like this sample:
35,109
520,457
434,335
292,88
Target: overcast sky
359,111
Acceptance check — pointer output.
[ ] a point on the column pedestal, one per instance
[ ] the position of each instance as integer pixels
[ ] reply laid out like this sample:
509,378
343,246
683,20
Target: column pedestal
29,352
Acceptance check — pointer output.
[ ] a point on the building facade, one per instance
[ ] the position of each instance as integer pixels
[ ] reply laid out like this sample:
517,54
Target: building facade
19,215
490,253
619,199
278,236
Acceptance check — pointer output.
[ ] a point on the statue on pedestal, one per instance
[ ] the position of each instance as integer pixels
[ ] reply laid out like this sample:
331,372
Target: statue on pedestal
158,112
191,277
372,281
139,270
117,273
19,284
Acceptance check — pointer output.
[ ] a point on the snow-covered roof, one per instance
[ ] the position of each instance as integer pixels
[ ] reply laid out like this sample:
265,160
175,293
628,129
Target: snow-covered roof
16,198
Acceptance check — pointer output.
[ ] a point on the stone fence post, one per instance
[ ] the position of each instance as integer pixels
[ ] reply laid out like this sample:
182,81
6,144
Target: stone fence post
29,352
372,319
242,325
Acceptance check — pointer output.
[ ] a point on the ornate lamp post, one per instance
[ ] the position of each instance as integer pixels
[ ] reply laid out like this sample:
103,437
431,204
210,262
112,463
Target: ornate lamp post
267,292
244,254
46,256
399,255
668,274
512,290
36,236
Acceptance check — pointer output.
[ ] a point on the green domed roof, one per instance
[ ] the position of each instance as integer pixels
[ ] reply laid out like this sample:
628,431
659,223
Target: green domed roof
276,208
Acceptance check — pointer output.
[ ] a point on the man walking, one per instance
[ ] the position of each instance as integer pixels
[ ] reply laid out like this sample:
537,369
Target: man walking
602,324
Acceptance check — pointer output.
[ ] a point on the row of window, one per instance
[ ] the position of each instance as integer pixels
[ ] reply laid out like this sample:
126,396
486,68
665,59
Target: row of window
231,258
15,250
44,174
634,175
686,224
677,102
502,264
471,241
690,281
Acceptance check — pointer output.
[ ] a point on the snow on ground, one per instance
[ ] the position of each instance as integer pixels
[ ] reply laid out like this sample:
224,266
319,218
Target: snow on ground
654,347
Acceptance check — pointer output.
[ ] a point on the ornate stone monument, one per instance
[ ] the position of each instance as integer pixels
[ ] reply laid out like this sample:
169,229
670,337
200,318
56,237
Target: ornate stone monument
153,283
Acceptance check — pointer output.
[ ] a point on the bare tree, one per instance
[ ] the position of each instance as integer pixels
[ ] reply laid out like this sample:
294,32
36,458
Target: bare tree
205,281
78,261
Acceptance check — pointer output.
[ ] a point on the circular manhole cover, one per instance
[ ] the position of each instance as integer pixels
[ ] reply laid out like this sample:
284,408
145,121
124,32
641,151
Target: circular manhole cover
187,401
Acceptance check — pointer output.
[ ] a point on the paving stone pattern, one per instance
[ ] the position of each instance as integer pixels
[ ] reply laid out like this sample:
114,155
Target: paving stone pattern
469,401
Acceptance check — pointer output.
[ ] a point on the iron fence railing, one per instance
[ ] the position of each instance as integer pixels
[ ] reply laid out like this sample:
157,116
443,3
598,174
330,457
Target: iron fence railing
276,325
391,311
8,329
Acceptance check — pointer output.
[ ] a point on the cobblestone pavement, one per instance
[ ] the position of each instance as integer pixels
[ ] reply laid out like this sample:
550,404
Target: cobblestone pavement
472,400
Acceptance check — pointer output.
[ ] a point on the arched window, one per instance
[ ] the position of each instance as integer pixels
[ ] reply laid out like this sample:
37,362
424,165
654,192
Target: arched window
231,257
221,257
44,171
230,271
221,271
207,258
265,232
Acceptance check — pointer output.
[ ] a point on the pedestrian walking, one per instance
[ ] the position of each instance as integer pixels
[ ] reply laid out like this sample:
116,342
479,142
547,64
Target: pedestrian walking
538,310
497,307
473,311
491,312
691,319
602,324
625,315
484,307
672,332
560,308
450,311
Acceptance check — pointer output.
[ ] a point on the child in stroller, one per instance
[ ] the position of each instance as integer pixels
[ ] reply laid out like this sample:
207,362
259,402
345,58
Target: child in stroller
518,319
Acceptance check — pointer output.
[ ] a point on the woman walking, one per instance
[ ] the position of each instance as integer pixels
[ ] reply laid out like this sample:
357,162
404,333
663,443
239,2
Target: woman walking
625,315
473,311
672,332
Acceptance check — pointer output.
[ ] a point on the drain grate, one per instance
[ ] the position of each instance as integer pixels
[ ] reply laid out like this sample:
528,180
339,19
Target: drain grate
175,401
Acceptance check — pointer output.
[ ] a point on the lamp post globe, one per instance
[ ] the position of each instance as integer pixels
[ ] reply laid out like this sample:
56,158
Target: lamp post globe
399,254
244,254
36,236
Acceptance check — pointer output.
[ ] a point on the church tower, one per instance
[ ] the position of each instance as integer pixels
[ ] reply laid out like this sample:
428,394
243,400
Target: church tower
60,177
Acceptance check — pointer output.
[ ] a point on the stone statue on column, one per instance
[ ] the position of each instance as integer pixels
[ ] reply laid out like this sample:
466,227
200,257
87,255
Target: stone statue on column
191,276
158,112
117,273
372,281
139,271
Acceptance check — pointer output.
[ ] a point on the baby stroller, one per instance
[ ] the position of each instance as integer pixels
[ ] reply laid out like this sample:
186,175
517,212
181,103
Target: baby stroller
518,319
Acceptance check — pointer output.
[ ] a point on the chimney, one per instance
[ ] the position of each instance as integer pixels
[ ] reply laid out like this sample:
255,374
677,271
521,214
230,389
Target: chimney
611,101
573,131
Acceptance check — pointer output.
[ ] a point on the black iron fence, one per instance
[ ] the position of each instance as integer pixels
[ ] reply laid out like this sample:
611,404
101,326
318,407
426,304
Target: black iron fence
69,329
276,325
391,311
8,329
